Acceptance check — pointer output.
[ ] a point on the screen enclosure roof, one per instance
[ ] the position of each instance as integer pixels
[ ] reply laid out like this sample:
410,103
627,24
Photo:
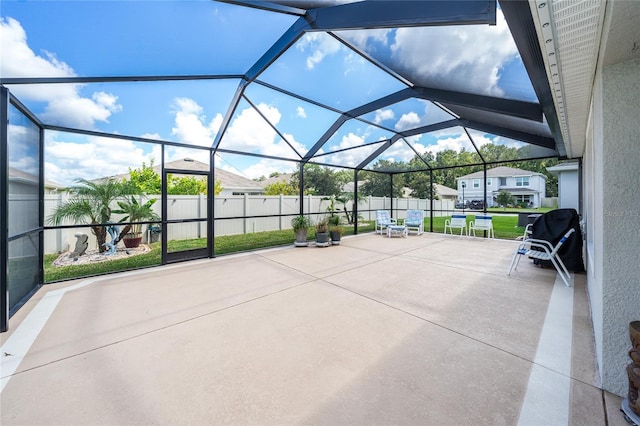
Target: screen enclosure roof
384,85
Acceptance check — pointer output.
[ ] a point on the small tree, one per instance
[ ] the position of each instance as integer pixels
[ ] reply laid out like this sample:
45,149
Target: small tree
146,180
504,198
278,188
90,203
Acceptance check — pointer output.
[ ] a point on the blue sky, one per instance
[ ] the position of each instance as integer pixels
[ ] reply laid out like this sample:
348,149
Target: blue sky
95,38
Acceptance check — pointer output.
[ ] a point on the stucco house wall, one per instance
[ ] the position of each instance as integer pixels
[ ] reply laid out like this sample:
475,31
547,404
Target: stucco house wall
568,185
611,175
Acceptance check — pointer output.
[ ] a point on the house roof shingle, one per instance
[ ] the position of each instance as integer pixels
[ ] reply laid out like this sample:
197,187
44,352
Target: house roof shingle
229,181
502,171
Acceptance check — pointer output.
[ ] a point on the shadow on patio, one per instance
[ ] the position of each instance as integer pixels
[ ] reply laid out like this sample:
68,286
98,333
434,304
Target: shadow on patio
424,330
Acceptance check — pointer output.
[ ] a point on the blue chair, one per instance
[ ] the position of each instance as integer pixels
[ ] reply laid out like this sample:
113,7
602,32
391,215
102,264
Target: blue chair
384,219
415,221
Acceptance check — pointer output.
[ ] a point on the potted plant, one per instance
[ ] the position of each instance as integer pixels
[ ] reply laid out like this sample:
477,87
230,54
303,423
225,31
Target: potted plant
131,234
335,230
322,233
300,225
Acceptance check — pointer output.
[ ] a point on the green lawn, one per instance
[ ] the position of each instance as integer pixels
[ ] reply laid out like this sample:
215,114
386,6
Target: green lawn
504,226
58,273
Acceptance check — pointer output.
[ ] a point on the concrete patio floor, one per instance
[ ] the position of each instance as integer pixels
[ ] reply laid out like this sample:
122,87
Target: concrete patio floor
424,330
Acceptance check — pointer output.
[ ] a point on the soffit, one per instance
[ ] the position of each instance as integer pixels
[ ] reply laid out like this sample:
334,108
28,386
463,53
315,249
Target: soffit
569,33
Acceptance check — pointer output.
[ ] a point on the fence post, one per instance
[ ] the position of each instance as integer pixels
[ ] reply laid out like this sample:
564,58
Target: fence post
245,208
201,202
62,198
280,209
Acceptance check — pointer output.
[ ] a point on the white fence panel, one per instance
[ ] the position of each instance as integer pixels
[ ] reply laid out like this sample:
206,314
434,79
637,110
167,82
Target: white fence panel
240,206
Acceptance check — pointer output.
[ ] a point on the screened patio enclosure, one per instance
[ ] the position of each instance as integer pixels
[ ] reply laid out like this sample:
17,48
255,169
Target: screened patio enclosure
256,89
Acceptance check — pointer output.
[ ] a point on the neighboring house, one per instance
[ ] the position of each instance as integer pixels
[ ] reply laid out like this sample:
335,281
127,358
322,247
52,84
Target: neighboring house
526,187
350,187
445,193
232,184
21,182
284,177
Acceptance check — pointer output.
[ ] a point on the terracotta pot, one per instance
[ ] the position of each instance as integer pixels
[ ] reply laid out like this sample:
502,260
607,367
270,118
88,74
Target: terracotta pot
132,242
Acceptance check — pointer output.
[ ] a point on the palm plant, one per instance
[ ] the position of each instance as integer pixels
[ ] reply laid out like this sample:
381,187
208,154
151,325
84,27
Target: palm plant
350,196
135,212
90,204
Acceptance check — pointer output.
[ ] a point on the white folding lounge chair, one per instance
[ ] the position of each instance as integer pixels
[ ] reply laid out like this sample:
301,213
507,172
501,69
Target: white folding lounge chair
383,219
457,221
545,251
415,221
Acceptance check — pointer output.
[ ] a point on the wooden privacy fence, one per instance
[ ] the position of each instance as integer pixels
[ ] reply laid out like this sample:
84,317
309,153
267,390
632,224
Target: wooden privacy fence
238,214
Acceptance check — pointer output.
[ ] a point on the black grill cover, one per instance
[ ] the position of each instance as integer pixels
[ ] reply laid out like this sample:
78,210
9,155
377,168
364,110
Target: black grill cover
552,225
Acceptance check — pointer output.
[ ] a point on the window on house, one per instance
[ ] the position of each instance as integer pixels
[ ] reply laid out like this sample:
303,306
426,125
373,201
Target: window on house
522,181
523,199
476,183
503,181
488,181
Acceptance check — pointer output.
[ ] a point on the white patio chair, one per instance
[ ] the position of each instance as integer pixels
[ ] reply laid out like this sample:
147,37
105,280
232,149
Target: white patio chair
546,251
456,221
482,223
415,221
383,219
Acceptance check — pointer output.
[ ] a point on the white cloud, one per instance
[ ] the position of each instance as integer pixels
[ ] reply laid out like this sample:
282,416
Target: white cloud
26,164
300,112
408,121
351,157
64,104
75,111
399,151
68,157
190,123
250,133
479,52
384,114
151,136
367,38
265,167
450,143
350,140
319,45
457,143
18,60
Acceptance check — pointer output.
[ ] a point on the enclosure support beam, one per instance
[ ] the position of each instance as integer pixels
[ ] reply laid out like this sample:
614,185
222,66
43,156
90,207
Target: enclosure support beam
431,200
396,13
4,209
355,202
391,191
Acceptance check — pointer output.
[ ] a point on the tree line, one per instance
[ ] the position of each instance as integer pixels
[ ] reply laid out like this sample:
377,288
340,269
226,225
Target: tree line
448,165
